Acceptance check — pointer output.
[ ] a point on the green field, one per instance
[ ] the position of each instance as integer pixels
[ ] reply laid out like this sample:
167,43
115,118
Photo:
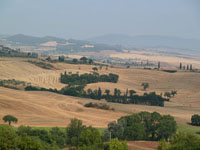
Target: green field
189,129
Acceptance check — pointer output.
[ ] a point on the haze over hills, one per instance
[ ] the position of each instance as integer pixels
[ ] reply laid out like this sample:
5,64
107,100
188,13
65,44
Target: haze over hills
60,45
148,41
21,39
106,42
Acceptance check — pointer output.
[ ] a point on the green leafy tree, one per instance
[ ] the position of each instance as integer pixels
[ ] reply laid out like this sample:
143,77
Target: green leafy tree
106,135
61,58
107,92
195,120
95,68
116,130
155,117
143,126
75,60
8,138
58,136
89,137
115,144
132,92
163,145
135,132
84,59
145,85
30,143
184,141
168,95
181,141
74,131
173,93
90,61
166,127
10,119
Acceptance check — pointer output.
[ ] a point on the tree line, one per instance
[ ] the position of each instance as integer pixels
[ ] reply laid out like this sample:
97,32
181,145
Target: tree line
142,126
183,67
75,137
129,97
70,78
181,141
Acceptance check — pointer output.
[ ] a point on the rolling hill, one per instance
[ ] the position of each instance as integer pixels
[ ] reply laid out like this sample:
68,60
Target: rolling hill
50,109
59,45
149,41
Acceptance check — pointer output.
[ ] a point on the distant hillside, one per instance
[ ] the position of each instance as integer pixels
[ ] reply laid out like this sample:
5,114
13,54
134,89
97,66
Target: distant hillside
20,39
61,45
8,52
148,41
84,46
4,36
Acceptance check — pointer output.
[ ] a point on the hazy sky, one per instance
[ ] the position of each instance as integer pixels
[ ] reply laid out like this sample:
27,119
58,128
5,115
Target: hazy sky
87,18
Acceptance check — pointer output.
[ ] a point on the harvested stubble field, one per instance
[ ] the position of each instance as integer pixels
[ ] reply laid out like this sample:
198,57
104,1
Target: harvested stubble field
50,109
155,56
142,145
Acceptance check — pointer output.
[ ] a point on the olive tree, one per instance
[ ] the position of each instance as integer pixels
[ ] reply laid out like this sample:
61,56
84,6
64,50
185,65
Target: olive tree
10,119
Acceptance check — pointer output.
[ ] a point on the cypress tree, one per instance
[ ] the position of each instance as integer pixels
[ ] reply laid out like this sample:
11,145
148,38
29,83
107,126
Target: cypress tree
180,66
190,66
158,65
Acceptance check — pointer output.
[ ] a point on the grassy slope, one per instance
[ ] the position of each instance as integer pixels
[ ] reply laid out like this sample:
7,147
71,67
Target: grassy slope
52,109
189,129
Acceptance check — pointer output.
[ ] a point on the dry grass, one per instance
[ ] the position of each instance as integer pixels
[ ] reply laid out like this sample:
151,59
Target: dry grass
49,109
142,145
153,56
50,43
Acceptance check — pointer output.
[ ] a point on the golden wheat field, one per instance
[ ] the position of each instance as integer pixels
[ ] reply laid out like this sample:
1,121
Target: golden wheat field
153,56
50,109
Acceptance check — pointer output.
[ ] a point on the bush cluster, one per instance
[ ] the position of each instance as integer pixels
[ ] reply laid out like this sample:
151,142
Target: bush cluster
99,106
41,64
195,120
69,78
181,141
143,126
75,137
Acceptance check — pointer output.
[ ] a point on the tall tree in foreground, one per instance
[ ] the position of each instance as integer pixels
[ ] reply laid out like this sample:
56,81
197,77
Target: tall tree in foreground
10,119
181,141
115,144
